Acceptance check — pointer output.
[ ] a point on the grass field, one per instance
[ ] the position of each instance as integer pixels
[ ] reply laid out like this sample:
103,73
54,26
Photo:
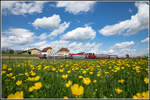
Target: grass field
20,55
106,78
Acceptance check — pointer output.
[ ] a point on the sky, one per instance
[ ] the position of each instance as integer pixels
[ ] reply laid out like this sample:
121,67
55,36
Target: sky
118,28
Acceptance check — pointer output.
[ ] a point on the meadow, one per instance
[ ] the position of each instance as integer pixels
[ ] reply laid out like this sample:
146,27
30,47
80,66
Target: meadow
103,78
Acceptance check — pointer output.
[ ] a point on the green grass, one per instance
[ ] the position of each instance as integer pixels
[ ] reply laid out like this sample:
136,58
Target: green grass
53,85
20,55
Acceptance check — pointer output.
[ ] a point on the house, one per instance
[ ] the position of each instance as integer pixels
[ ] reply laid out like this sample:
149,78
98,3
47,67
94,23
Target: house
63,51
48,50
33,51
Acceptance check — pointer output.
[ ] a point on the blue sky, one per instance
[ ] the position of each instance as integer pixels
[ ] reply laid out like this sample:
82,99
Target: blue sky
99,27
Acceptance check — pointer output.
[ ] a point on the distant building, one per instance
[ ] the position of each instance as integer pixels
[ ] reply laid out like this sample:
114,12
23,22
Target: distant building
63,51
33,51
48,50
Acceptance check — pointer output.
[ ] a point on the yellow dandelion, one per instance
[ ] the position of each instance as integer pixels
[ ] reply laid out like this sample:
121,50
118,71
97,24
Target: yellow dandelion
19,82
86,81
77,90
118,91
17,95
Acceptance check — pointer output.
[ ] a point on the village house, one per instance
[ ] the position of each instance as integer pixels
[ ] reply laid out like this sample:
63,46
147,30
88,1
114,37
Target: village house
33,51
48,50
63,51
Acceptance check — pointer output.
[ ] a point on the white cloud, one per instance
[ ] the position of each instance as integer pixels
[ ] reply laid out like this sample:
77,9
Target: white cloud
21,8
130,26
76,7
39,44
87,47
16,37
145,40
43,36
123,44
80,34
62,27
121,49
51,22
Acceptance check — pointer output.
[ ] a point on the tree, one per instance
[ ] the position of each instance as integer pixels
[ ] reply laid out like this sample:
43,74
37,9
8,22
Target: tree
127,55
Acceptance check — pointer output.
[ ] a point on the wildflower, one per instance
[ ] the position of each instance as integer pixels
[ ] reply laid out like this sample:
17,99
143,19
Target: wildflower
69,83
118,91
98,74
64,76
106,72
61,70
3,72
121,81
31,88
65,97
84,72
37,78
68,71
146,80
17,95
53,69
94,81
14,77
86,81
4,66
91,73
37,85
10,74
80,76
9,69
77,90
27,74
122,68
19,82
144,95
33,73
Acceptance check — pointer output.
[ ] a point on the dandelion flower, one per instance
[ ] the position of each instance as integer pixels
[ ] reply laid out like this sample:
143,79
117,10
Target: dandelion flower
118,91
19,82
17,95
77,90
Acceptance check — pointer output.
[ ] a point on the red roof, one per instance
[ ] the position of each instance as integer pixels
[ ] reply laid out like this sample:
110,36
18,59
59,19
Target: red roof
64,49
45,49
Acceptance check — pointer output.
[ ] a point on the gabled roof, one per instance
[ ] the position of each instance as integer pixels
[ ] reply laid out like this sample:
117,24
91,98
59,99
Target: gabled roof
45,49
63,49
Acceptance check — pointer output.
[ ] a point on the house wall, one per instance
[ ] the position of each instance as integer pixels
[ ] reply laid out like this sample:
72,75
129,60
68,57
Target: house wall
63,53
50,50
35,52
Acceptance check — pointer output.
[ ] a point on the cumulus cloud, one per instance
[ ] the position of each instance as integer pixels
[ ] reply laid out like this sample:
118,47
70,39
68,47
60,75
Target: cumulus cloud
16,37
123,44
80,34
43,36
39,44
131,26
121,49
145,40
62,27
21,8
51,22
76,7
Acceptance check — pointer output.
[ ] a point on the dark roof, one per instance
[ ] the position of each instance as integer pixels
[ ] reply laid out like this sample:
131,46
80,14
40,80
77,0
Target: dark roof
64,49
45,49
